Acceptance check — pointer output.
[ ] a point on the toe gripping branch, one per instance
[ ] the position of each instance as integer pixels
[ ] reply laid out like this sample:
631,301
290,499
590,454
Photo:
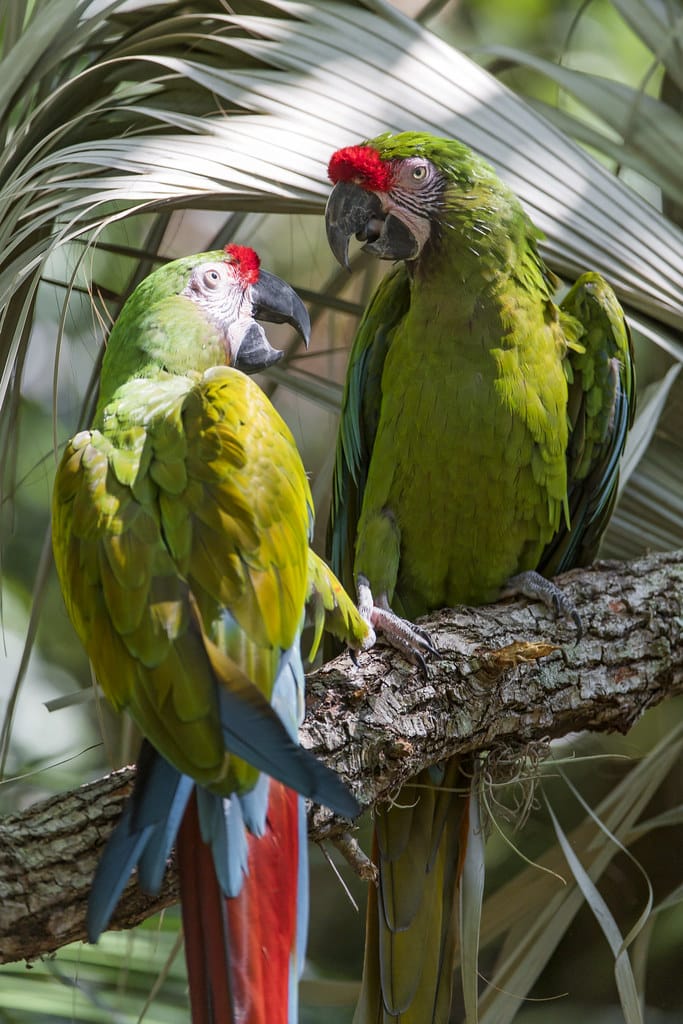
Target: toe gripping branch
536,587
413,642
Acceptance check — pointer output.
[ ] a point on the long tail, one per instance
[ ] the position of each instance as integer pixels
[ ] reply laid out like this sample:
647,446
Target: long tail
205,926
242,861
244,954
243,881
411,917
268,921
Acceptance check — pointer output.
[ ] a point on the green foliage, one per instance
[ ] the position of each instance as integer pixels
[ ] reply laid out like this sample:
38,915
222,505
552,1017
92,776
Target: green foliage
112,981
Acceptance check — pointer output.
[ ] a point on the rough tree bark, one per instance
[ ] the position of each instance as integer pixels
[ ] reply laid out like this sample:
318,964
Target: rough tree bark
508,674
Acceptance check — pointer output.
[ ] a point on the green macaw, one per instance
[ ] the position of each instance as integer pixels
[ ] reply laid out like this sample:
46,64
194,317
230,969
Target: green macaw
181,525
482,427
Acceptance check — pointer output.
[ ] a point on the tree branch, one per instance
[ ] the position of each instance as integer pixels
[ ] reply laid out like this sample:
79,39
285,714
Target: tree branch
509,674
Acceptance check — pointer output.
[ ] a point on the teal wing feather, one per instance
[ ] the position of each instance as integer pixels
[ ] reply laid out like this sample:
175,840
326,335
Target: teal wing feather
601,405
360,414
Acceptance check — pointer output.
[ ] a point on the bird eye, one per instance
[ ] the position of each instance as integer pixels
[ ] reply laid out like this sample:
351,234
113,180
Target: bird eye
419,172
211,278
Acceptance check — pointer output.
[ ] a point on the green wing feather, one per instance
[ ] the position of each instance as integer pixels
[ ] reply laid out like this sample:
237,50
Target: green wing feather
601,406
332,608
361,405
163,520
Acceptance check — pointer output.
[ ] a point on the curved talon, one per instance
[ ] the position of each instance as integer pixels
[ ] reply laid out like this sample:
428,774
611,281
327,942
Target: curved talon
423,667
405,644
425,635
413,642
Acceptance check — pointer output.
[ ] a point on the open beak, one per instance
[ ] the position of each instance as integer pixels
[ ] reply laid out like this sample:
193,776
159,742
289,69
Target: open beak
277,303
352,210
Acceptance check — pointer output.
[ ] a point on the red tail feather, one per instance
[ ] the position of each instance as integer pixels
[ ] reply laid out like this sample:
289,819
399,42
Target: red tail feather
263,918
242,964
204,925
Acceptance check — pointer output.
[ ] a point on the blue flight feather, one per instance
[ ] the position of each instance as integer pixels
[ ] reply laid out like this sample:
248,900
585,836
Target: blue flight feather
120,856
253,731
222,827
255,806
143,837
154,859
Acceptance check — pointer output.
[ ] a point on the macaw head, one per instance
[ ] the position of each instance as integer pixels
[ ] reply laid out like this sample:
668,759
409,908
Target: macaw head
233,292
198,312
396,192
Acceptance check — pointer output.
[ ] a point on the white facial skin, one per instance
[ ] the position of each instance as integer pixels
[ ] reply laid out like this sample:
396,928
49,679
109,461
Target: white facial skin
413,178
225,297
219,290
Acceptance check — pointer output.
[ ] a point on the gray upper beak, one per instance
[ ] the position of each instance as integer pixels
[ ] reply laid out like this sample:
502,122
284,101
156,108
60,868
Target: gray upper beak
349,210
275,302
352,210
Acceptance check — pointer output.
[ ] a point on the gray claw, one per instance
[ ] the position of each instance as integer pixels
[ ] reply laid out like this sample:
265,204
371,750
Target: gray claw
426,637
576,618
421,664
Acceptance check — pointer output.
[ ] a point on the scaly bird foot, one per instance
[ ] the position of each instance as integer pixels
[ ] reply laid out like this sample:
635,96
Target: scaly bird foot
410,640
531,584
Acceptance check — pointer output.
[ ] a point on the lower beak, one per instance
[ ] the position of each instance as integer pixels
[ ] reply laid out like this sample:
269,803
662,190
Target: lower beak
277,303
254,352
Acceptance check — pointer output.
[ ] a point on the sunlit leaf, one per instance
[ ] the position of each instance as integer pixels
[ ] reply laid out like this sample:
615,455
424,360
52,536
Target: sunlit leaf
471,895
645,124
534,911
658,24
651,403
622,966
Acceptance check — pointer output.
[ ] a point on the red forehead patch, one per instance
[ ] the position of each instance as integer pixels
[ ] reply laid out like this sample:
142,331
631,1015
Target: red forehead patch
247,261
361,165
